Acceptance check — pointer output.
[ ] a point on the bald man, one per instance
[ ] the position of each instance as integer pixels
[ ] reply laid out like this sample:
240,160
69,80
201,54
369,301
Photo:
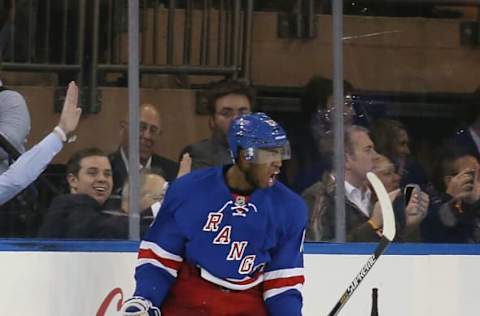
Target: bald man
150,129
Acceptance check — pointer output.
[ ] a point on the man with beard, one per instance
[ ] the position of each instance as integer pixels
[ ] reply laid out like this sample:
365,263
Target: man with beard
226,100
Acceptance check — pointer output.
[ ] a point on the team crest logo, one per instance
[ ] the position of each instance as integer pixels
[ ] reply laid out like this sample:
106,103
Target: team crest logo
240,200
241,207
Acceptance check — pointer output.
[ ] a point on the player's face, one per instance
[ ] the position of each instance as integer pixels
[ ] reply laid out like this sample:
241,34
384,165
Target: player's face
94,178
227,108
263,175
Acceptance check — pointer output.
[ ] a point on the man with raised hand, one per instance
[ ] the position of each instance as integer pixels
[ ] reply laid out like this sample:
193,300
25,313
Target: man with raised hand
227,240
32,163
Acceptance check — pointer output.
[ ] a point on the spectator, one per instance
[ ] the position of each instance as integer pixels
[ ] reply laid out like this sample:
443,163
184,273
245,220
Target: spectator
150,129
14,123
14,129
455,213
153,186
312,137
152,191
409,217
362,219
79,214
392,140
226,100
18,215
30,164
467,139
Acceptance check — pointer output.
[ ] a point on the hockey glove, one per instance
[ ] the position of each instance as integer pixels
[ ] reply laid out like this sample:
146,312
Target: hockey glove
139,306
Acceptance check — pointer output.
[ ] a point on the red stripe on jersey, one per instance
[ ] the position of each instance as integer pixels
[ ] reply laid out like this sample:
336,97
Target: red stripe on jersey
149,254
248,281
281,282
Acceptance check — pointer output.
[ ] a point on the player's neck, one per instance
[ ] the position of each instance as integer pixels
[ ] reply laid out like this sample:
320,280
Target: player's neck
237,181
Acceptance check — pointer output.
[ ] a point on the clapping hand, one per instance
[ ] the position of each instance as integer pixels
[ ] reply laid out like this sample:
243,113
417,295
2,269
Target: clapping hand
417,207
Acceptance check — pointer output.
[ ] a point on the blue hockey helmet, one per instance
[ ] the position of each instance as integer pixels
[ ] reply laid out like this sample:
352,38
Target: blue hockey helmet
261,138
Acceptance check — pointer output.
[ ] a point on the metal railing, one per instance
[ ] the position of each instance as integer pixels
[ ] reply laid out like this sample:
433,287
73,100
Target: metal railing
87,39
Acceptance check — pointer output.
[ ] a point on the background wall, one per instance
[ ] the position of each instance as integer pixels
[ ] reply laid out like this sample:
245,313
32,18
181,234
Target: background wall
380,53
392,54
180,123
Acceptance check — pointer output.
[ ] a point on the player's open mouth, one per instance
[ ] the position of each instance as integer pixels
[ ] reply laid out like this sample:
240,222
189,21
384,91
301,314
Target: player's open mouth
273,177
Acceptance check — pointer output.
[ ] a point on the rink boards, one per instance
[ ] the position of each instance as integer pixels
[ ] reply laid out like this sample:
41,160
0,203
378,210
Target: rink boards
93,278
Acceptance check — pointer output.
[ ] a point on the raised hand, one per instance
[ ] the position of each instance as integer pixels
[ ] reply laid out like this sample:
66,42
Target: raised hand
461,184
416,209
185,165
70,112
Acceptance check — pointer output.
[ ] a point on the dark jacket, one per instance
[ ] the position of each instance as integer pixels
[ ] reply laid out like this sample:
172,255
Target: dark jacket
208,153
167,167
320,200
458,227
463,140
78,216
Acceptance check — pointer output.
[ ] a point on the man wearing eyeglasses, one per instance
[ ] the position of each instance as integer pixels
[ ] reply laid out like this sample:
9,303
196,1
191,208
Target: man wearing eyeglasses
226,100
150,129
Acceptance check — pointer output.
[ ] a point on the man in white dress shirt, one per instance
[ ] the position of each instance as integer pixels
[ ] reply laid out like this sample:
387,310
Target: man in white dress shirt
363,220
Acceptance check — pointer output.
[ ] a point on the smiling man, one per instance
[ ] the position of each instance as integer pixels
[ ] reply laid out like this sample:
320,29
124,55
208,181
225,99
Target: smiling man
79,214
150,130
227,240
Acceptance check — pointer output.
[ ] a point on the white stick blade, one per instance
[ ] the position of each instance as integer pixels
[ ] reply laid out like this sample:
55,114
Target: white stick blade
385,204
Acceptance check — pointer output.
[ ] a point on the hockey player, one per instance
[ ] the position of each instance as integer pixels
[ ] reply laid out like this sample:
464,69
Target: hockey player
227,240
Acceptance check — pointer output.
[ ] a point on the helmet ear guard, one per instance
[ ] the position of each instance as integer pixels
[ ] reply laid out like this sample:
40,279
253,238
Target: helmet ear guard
259,138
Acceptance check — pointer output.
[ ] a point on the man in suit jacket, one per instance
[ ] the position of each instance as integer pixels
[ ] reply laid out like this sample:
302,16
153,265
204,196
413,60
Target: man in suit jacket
150,128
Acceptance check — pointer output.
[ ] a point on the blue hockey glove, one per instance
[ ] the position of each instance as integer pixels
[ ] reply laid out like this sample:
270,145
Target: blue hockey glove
139,306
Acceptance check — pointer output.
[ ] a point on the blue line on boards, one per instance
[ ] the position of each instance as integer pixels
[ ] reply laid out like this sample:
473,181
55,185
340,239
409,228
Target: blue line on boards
57,245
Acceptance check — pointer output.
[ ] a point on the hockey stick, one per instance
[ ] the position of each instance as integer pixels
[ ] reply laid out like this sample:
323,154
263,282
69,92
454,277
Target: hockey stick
388,235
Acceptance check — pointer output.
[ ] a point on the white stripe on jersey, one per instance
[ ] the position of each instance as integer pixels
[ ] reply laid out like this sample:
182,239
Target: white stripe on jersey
273,292
283,273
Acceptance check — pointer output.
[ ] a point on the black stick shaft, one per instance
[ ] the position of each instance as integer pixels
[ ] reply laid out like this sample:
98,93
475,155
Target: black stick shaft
382,246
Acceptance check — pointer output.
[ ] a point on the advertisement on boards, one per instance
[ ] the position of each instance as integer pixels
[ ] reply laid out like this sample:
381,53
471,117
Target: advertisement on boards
88,284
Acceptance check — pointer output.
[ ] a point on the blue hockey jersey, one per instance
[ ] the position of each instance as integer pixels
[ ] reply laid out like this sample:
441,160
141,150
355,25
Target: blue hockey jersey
236,241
